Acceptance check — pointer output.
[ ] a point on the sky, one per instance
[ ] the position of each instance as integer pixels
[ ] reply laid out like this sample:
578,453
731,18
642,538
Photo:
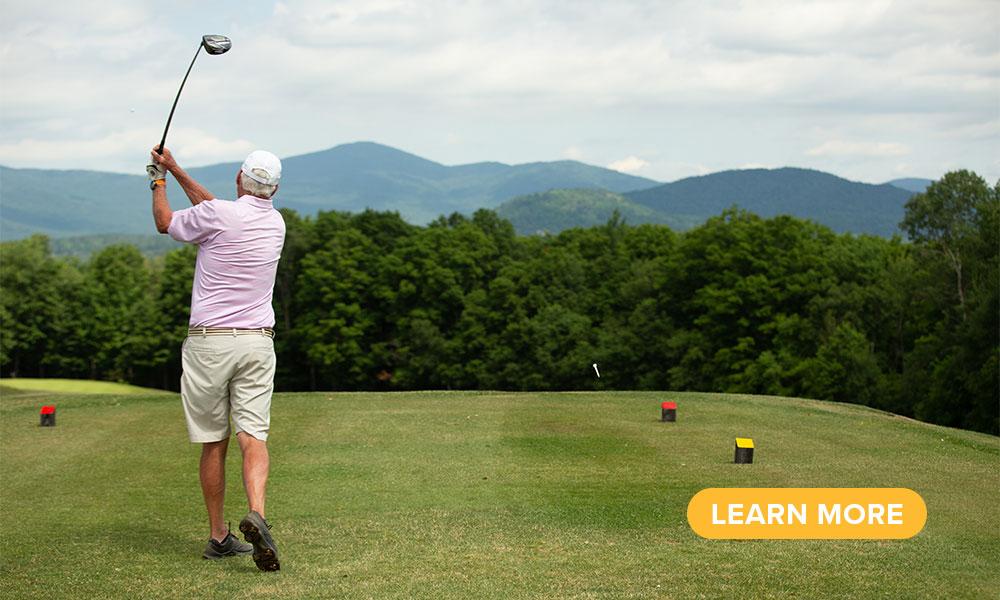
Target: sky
870,90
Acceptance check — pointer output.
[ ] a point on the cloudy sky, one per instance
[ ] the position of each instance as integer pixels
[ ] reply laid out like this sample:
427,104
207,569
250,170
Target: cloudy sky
870,90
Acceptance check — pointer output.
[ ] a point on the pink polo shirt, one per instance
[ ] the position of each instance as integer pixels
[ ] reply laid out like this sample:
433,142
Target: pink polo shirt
239,244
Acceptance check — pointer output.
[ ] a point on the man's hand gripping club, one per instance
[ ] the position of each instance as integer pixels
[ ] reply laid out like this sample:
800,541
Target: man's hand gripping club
159,164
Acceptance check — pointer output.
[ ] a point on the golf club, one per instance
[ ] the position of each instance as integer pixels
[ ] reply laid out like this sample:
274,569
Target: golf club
213,44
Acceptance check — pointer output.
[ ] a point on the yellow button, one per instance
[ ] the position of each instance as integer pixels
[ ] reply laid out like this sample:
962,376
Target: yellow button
806,513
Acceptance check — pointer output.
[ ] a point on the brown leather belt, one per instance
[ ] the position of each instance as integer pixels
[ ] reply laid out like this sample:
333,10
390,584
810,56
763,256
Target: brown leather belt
231,331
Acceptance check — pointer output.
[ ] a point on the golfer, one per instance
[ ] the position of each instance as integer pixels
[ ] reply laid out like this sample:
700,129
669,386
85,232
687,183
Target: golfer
228,357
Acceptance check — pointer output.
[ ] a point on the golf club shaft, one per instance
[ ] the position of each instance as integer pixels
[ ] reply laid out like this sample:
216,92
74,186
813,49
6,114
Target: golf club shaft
159,149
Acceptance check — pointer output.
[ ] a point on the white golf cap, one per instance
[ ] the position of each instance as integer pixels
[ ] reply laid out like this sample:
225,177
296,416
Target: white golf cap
264,160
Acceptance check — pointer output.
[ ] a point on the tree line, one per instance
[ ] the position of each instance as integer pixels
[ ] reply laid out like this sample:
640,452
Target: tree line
367,301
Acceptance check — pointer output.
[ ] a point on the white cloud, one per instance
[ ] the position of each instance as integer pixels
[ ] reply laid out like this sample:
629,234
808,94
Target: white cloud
982,130
200,148
573,153
849,148
106,153
693,82
629,164
673,171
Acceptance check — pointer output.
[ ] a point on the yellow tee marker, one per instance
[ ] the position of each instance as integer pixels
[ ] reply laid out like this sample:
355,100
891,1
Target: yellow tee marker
744,451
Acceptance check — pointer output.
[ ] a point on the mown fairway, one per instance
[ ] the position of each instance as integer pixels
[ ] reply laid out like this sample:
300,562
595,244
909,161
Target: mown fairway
484,495
72,386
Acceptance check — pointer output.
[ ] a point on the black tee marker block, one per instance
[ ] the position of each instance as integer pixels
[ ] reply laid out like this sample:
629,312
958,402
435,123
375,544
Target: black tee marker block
48,416
668,411
744,451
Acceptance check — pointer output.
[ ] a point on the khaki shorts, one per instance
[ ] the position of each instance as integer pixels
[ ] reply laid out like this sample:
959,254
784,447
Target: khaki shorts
227,376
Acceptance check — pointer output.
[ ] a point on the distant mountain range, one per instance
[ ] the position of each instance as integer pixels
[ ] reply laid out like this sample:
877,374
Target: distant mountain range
842,205
350,177
543,196
912,184
84,245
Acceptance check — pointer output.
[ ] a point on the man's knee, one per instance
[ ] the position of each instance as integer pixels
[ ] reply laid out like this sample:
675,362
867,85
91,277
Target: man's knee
249,442
219,447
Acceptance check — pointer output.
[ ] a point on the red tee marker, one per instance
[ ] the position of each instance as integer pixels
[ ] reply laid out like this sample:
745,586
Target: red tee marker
48,416
668,411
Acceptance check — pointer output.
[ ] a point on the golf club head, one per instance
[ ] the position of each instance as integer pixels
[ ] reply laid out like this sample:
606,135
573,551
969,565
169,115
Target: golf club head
216,44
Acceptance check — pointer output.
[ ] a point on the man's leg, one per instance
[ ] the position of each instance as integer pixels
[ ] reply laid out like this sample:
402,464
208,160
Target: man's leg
255,529
256,464
213,485
250,397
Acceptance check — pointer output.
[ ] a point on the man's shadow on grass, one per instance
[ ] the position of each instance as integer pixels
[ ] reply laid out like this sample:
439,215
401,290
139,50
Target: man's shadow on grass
165,543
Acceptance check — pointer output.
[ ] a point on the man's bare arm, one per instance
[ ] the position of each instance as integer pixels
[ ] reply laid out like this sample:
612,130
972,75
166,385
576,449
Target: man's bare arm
196,192
162,215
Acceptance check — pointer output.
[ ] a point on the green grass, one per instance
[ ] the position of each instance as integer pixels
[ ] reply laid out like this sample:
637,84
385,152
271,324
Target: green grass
485,495
71,386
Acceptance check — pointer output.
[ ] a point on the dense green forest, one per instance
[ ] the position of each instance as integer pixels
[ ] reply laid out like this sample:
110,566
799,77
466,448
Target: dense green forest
739,304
